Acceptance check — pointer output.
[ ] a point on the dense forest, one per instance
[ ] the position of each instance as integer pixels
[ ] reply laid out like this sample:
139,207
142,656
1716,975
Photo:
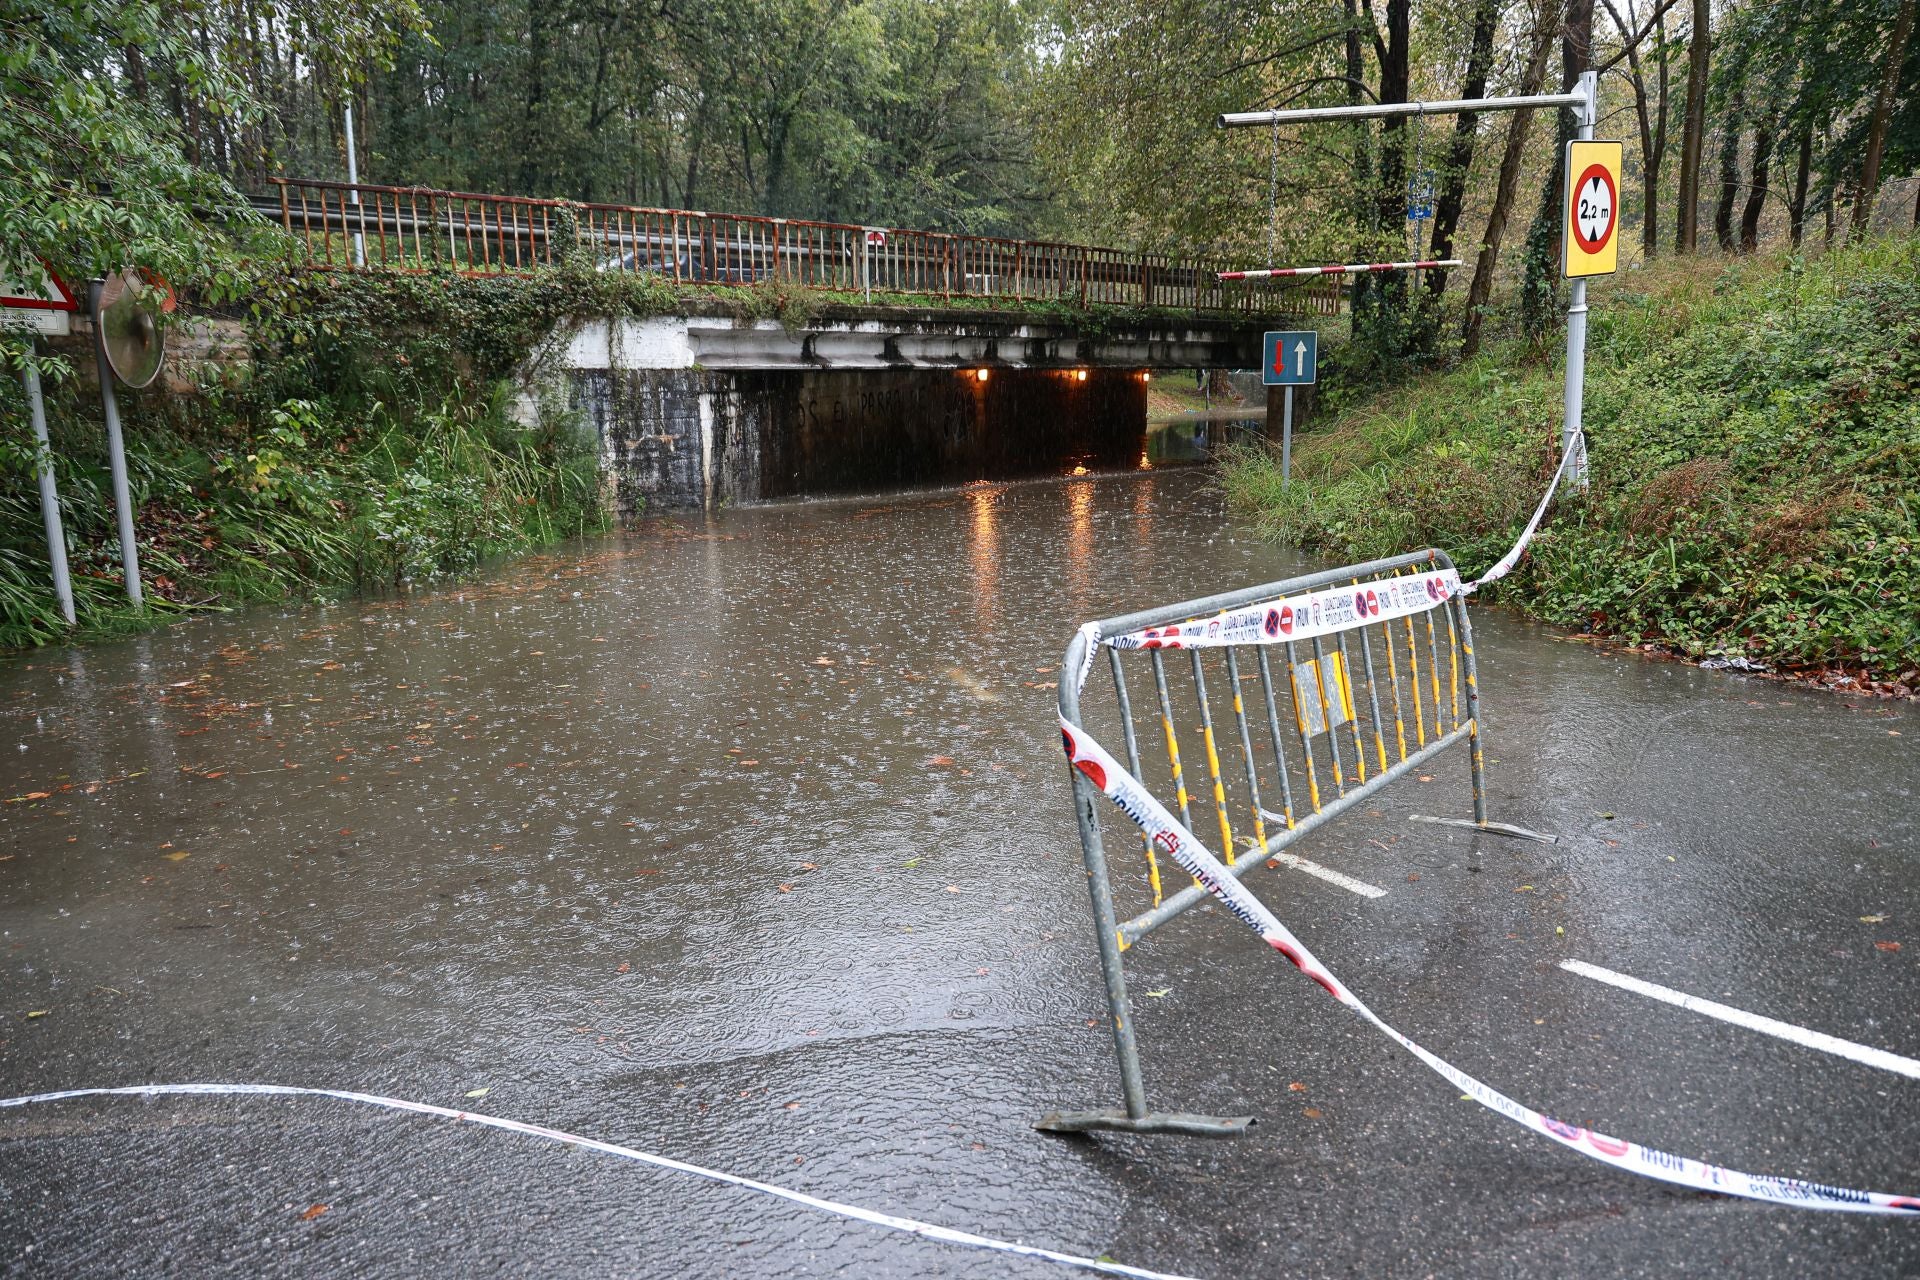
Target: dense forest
1090,120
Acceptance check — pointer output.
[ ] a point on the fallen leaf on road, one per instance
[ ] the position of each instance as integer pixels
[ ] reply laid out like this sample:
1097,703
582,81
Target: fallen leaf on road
1311,1113
1873,919
477,1093
823,662
313,1212
1296,1087
786,888
939,762
38,1013
1886,946
1164,991
176,855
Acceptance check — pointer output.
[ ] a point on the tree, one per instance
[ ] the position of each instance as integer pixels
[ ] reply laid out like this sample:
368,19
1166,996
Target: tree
121,121
1650,110
1882,114
1546,26
1686,232
1466,126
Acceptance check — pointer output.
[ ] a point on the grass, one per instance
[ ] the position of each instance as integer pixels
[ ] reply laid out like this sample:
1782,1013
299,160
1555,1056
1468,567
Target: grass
1755,439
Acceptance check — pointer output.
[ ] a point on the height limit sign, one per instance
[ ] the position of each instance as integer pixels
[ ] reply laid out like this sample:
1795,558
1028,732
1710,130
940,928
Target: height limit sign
1593,210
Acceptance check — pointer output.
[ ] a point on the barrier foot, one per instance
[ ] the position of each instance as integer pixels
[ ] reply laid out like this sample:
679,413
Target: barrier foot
1174,1122
1491,828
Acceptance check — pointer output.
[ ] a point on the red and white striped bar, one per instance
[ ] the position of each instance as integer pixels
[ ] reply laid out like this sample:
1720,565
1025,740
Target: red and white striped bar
1336,269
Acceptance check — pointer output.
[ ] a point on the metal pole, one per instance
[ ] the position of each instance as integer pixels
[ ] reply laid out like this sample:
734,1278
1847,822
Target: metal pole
116,451
1571,438
1450,106
1286,439
49,495
353,184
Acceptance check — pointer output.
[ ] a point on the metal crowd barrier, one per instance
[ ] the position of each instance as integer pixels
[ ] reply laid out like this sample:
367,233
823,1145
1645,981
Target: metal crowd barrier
1318,726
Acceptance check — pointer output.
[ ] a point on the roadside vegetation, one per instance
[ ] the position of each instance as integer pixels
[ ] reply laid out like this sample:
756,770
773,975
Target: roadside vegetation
350,451
1755,442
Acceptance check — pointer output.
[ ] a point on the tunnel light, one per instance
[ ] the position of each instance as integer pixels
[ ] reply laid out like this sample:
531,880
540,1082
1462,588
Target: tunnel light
1080,375
1146,376
981,374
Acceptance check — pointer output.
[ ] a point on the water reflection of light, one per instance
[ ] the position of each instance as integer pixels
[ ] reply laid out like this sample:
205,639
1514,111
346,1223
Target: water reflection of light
1080,542
983,553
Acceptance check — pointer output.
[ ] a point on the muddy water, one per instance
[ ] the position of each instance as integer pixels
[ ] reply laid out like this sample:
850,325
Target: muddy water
741,839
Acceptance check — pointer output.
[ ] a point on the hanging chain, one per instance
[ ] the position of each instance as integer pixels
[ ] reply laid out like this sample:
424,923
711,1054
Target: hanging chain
1273,202
1414,189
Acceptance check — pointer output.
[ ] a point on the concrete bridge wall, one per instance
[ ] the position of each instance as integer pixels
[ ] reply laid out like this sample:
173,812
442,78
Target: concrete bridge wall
700,411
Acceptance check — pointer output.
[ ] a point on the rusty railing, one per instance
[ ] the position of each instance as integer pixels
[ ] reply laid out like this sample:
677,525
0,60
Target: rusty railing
418,228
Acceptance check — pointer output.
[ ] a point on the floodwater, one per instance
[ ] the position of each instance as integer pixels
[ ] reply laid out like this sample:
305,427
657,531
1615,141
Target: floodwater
746,840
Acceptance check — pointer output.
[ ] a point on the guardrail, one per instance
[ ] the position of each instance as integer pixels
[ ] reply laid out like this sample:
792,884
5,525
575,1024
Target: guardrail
417,228
1332,686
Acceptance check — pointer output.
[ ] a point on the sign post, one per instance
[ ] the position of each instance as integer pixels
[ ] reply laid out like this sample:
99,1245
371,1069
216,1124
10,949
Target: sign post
1590,247
874,239
43,306
1598,249
116,448
1290,358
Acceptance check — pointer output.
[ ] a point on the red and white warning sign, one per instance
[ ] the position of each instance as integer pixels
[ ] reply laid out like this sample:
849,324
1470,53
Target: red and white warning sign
1593,210
40,302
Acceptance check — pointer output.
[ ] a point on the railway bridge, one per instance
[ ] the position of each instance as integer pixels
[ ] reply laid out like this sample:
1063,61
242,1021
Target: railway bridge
899,357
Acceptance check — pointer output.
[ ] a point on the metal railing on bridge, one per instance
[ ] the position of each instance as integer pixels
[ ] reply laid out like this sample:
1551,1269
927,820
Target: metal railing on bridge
419,228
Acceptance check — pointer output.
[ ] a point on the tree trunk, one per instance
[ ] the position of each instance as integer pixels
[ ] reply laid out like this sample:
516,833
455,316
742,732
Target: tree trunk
1509,181
1657,158
1729,171
1651,118
1882,111
1466,126
1757,185
1361,295
1797,219
1686,232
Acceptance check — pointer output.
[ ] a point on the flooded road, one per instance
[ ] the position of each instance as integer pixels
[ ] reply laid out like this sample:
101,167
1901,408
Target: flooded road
747,841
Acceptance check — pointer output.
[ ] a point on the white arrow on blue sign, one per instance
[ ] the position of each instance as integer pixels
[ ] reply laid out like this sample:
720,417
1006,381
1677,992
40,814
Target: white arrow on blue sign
1290,358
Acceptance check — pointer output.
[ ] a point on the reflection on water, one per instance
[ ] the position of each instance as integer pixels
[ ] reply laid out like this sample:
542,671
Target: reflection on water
983,551
1192,438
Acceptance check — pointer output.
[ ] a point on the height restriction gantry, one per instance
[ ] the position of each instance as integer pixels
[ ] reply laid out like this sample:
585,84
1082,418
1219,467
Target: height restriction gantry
1588,234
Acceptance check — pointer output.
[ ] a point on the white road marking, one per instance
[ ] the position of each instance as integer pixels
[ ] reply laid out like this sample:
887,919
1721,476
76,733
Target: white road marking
1872,1057
1328,874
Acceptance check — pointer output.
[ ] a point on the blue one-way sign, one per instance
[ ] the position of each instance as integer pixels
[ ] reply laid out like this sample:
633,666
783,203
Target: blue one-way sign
1290,358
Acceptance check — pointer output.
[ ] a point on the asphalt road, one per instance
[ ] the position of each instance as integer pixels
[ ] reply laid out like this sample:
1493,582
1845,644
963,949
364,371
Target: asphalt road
604,836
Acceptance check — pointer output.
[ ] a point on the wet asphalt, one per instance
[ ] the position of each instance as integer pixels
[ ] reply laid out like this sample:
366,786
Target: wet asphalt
747,841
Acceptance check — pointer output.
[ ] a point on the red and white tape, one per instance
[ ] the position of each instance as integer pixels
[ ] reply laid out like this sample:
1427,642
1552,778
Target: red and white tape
1302,617
1340,269
1169,835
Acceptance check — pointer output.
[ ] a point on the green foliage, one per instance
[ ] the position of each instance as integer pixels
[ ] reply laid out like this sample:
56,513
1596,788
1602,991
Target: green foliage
373,442
1755,440
96,172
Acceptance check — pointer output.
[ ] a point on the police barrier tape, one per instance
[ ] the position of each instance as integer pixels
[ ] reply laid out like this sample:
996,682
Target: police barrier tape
911,1226
1168,834
1302,617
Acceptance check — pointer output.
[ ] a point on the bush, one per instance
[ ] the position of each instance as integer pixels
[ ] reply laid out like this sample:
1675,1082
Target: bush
1755,440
